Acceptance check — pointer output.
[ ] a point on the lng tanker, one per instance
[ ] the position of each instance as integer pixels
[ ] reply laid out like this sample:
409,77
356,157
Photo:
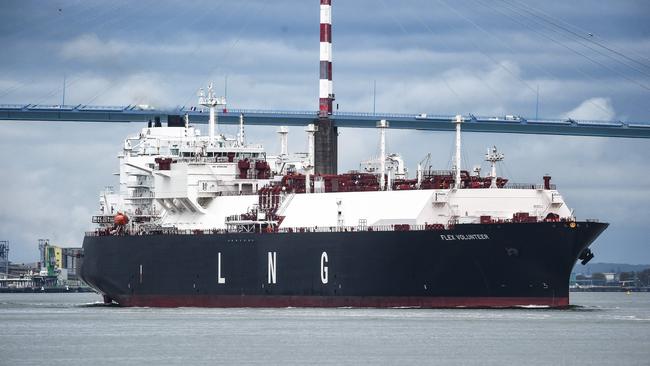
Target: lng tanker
215,221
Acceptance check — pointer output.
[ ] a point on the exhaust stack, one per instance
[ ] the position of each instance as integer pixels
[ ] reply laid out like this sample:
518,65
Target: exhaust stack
325,90
325,149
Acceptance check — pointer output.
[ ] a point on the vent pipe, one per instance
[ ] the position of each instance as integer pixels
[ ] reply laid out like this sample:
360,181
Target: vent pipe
309,169
459,120
382,126
283,131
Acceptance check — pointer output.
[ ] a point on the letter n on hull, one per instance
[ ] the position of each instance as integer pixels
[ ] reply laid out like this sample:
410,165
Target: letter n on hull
272,267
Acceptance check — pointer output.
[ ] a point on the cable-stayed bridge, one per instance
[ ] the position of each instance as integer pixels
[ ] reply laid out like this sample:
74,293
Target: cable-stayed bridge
496,124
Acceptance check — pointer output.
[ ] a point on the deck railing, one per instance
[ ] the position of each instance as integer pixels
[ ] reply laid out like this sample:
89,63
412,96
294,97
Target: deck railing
527,186
314,229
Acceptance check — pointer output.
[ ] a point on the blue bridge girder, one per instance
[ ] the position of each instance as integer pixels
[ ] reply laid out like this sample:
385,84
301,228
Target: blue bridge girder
500,124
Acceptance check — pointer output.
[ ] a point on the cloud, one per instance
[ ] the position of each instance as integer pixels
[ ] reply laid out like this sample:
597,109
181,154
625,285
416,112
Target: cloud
141,88
149,88
89,47
595,109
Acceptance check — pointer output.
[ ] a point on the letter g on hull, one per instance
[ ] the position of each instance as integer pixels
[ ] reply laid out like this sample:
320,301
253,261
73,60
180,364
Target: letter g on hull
324,273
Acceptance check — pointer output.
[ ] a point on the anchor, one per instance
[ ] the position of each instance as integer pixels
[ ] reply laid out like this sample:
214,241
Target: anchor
586,256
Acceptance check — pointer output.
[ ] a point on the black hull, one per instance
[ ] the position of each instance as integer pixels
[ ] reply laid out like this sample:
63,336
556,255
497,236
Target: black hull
473,265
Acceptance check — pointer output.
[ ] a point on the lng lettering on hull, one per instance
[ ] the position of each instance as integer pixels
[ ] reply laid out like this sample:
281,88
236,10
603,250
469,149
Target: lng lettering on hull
272,268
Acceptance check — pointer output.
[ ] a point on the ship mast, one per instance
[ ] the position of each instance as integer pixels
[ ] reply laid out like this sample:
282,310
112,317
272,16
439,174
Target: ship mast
493,156
459,120
211,101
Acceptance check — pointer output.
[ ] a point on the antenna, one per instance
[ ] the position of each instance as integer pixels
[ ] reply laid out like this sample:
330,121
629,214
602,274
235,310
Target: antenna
225,87
63,97
374,96
537,103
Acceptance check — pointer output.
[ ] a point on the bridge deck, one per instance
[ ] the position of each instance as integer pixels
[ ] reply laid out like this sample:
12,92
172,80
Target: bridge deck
503,124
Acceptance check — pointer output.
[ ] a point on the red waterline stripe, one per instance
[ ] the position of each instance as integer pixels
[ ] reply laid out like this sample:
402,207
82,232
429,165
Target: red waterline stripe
270,301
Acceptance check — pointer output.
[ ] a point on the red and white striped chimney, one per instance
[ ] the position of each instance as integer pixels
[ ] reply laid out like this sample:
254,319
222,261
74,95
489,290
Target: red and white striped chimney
326,91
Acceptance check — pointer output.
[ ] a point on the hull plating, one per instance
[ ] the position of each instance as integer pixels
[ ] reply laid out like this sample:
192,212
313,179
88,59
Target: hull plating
473,265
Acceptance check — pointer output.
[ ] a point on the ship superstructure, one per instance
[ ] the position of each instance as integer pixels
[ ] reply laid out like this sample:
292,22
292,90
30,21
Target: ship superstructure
204,167
175,178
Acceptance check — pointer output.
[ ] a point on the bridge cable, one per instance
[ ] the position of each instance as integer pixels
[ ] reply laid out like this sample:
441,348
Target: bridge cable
76,78
50,32
543,70
475,74
233,45
505,44
442,76
580,33
152,30
577,51
512,73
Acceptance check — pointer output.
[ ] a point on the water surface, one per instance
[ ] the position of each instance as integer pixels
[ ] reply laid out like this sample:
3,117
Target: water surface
75,329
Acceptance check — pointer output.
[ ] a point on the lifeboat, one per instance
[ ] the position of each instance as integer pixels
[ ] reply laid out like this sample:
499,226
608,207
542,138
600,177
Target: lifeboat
120,219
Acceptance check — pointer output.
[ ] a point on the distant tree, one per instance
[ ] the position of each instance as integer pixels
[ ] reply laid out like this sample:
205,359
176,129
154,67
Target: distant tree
626,276
644,277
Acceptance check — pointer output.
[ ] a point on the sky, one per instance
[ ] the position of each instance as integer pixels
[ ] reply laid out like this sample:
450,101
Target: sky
577,59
